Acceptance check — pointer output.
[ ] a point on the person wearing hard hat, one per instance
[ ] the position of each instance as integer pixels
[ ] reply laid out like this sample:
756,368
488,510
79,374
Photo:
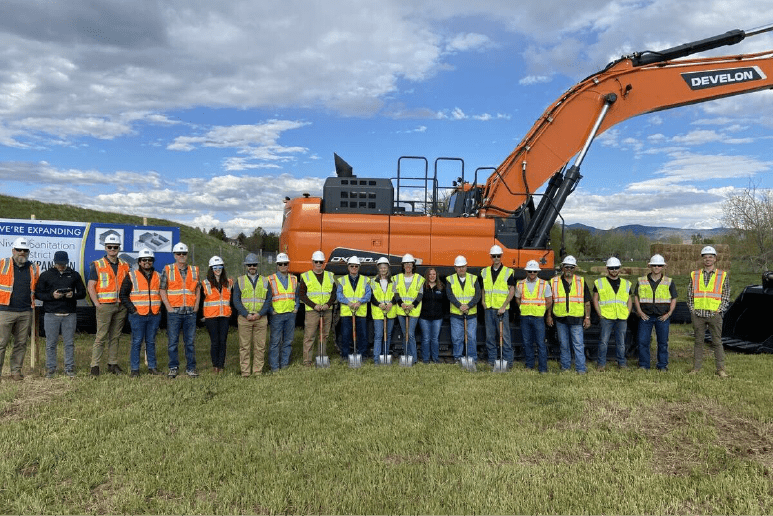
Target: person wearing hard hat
654,299
252,301
353,292
534,298
18,278
181,295
141,296
106,276
60,288
708,296
612,301
317,291
382,308
284,306
570,314
216,290
409,290
463,292
498,287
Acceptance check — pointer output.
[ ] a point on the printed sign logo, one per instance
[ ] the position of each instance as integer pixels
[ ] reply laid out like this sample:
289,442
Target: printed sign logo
713,78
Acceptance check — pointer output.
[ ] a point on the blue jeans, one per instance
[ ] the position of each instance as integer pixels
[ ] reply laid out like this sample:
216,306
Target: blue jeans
282,329
186,323
347,339
457,336
645,335
607,325
533,333
492,337
571,338
144,327
378,337
53,323
430,347
411,336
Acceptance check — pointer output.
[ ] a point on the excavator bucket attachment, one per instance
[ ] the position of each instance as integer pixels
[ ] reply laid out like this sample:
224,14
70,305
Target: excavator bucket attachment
746,326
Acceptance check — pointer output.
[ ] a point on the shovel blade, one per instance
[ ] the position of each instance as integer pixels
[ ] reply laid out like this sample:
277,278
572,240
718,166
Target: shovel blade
500,366
385,359
323,361
468,364
406,360
355,361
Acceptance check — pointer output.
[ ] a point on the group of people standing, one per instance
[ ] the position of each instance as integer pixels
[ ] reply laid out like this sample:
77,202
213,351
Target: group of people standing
412,299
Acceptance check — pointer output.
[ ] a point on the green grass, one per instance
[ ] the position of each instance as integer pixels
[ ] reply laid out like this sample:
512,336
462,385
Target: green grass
431,439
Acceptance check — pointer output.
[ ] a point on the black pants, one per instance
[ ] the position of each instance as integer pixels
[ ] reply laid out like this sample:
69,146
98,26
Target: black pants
218,335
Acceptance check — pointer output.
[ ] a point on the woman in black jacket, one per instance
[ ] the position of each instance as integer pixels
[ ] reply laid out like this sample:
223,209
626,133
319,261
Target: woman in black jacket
431,316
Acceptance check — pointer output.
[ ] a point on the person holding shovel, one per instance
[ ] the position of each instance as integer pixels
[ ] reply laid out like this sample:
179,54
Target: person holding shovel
317,291
353,293
382,308
409,288
498,282
463,293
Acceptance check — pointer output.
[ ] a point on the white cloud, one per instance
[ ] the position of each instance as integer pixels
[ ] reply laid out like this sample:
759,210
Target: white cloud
468,41
534,79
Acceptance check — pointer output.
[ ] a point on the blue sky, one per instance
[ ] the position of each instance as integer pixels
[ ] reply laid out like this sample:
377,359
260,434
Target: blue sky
211,114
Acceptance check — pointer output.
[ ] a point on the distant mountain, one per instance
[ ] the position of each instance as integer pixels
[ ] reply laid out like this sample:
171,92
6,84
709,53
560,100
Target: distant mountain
656,233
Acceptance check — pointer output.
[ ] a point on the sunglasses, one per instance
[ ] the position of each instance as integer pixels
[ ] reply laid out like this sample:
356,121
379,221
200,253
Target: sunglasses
569,267
252,265
613,268
21,250
651,265
112,247
318,262
181,254
354,266
532,272
217,267
284,264
496,256
146,260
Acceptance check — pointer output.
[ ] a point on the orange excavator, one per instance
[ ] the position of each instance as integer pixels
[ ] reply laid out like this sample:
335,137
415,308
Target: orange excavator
368,218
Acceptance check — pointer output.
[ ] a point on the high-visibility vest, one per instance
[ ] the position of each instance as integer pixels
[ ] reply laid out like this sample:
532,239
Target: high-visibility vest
283,299
7,271
410,294
318,293
662,294
613,305
108,284
179,292
253,298
145,296
707,297
382,296
533,303
217,303
463,295
351,293
495,292
576,297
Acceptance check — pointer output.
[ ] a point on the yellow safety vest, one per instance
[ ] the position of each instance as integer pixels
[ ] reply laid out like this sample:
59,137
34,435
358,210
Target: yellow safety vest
576,297
463,295
145,296
319,294
382,297
495,293
708,297
353,294
217,303
661,295
613,305
410,294
253,298
533,303
283,299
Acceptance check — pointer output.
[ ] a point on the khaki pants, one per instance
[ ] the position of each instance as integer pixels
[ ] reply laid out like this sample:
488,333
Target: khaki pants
714,324
252,337
16,325
110,321
310,330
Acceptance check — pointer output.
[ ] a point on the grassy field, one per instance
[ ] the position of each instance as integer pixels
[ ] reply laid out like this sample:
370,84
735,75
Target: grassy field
431,439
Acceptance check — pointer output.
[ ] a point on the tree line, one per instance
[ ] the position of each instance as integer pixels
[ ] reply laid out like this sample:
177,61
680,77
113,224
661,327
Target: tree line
258,240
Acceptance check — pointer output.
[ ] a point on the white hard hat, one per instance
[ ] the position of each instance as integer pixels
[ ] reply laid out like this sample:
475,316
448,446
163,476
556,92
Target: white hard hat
613,262
215,260
408,258
495,249
318,256
569,260
353,260
179,247
708,250
282,258
381,260
112,239
532,265
460,261
146,253
21,243
657,260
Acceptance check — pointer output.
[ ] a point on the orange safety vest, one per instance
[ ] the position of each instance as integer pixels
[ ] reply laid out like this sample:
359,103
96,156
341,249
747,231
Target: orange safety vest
283,299
108,284
145,296
7,270
181,293
217,303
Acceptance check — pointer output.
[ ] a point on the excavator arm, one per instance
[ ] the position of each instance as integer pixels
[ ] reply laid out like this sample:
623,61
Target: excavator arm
633,85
